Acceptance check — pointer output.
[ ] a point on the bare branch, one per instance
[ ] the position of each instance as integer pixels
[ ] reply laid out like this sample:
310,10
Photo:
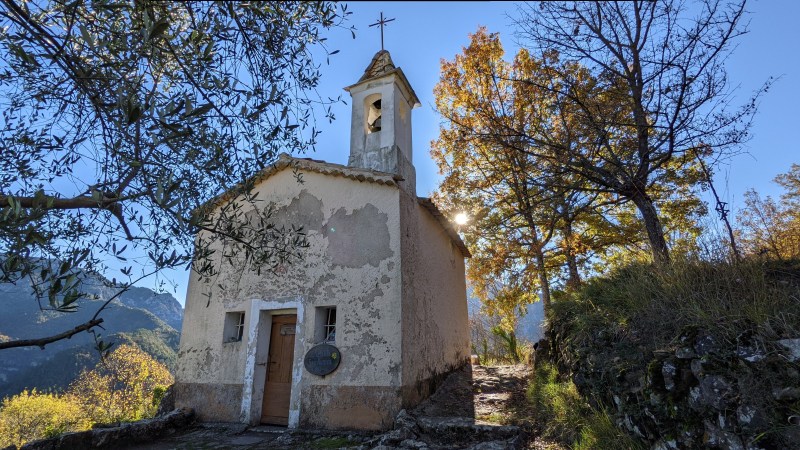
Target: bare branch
42,342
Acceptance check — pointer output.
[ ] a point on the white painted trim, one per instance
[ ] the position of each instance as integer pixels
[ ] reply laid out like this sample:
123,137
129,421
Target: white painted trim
293,305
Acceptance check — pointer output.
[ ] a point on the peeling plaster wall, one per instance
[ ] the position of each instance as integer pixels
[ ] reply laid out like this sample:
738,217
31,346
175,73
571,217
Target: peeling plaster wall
435,317
353,263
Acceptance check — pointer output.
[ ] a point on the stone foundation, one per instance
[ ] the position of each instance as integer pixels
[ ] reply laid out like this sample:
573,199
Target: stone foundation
349,407
211,402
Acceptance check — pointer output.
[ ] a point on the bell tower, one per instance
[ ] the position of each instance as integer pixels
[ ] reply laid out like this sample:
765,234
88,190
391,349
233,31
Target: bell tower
380,130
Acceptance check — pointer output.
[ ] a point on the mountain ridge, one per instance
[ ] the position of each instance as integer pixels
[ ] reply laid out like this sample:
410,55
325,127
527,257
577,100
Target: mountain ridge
149,319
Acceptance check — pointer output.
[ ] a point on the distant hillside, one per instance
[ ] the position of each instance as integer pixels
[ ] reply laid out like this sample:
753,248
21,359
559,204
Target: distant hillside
531,325
140,315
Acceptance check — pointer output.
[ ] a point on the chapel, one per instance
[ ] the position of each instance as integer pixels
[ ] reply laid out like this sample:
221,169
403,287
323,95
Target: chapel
368,321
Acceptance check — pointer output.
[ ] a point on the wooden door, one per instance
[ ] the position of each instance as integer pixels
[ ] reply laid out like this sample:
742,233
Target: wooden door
278,386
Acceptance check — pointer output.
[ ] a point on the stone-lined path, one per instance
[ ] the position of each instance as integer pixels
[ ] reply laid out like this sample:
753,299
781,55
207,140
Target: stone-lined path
475,408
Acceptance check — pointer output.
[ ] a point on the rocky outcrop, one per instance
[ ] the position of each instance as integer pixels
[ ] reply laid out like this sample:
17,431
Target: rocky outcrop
704,391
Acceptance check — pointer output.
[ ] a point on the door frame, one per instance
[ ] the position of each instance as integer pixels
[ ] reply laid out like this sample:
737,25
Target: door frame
259,331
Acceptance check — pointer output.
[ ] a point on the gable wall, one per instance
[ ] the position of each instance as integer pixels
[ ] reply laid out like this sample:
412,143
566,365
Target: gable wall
352,263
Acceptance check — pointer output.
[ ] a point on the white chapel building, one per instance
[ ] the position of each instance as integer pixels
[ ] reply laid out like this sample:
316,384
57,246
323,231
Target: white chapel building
372,317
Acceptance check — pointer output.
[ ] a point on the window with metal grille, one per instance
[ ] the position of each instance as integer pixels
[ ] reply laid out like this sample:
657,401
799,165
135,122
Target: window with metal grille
330,325
234,327
324,324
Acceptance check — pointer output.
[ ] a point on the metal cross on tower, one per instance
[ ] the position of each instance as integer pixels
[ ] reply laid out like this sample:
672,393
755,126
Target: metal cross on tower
382,23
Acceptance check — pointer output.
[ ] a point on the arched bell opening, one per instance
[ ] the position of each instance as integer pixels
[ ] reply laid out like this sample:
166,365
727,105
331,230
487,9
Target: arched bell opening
372,105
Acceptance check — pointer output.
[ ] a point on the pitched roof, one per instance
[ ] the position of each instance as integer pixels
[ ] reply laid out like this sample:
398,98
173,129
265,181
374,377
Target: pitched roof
310,165
382,66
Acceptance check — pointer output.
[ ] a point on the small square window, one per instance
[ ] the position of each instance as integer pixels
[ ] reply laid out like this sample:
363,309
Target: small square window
234,327
325,325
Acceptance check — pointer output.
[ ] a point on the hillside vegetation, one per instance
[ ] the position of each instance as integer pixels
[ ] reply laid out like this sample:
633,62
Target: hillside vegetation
150,320
126,386
681,356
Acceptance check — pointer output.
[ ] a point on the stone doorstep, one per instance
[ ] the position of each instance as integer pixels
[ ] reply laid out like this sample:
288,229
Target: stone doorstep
269,429
431,432
279,430
465,425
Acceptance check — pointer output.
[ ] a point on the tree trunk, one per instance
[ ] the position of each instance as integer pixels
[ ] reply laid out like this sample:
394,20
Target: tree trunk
544,283
655,231
574,277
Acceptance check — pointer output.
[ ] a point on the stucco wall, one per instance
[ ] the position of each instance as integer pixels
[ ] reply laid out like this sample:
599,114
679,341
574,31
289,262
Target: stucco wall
353,263
435,319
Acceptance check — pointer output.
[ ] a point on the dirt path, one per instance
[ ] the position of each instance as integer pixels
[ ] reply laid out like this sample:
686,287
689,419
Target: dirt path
487,394
477,407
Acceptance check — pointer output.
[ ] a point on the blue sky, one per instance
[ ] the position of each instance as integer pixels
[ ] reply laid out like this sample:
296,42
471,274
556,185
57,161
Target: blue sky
425,32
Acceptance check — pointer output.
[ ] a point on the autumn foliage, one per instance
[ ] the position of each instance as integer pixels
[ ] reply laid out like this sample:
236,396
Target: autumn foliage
34,415
121,388
770,228
511,149
125,386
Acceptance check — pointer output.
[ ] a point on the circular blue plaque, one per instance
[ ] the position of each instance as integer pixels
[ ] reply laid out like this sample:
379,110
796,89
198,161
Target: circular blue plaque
322,359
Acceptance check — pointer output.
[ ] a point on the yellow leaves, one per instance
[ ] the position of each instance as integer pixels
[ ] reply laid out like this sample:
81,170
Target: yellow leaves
126,386
33,415
121,387
767,228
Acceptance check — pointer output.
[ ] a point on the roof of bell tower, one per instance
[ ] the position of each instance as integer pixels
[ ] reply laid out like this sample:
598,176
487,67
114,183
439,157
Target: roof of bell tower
381,66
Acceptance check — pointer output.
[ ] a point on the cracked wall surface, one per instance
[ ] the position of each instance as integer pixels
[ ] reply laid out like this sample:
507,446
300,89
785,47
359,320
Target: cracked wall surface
352,263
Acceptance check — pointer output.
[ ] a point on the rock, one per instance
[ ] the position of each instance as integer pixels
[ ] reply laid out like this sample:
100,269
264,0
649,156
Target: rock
395,437
493,445
142,431
787,393
751,418
715,391
695,398
685,353
628,424
705,344
404,419
665,444
750,353
412,443
697,368
793,347
715,437
655,400
669,371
